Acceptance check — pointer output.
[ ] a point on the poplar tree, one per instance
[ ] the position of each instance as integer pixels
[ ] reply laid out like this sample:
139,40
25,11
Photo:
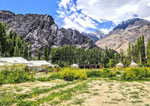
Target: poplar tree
25,51
2,38
39,54
46,53
30,52
148,52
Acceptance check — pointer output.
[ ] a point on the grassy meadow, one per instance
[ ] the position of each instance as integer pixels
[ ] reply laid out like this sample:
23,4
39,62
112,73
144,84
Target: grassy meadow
75,87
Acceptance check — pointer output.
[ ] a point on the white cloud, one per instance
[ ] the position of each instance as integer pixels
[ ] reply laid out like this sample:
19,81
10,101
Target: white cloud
64,3
81,15
72,18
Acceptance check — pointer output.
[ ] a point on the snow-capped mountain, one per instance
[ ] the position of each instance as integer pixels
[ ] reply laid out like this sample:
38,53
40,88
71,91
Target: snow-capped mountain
95,36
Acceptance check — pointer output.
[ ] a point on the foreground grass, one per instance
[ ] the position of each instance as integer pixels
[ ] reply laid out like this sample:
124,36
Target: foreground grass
13,98
67,94
94,91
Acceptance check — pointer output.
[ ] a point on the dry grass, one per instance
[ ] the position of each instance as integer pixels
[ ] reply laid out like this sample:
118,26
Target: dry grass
99,92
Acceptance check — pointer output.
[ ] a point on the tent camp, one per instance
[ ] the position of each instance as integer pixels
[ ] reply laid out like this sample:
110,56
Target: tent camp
133,64
39,65
119,65
74,66
14,60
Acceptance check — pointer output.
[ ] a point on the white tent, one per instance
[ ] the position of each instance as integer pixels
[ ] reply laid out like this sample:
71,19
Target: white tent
133,64
40,63
119,65
74,66
2,64
14,60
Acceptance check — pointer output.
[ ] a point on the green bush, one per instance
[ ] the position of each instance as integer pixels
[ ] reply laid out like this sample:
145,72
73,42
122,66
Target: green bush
118,72
94,73
135,73
50,69
52,77
70,74
108,73
14,75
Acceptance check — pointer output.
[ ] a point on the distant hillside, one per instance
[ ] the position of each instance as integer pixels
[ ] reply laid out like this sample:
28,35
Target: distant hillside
127,31
41,30
95,36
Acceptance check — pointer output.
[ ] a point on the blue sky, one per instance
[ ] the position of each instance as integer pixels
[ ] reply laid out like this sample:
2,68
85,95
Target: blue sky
30,6
83,15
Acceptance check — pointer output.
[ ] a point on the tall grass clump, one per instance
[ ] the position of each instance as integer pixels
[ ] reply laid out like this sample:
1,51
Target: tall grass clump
108,73
55,75
14,75
94,73
70,74
135,73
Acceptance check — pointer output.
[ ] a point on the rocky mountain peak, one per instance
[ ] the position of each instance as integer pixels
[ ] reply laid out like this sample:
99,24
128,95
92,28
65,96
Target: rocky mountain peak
131,22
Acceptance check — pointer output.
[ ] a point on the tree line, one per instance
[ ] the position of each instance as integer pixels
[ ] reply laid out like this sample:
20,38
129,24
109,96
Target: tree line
13,45
139,53
68,55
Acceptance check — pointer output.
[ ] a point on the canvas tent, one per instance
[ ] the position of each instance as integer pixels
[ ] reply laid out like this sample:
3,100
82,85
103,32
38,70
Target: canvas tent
39,65
133,64
74,66
14,60
119,65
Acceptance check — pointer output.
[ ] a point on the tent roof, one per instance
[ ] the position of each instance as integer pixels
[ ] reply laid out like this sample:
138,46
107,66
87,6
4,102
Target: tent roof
119,64
74,65
40,63
133,64
2,64
14,60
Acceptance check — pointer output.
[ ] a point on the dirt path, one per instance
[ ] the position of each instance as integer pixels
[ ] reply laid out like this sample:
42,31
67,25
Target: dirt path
56,90
113,93
100,92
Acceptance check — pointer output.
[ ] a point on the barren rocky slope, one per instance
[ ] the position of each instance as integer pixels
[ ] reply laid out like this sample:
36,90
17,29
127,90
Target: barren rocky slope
124,33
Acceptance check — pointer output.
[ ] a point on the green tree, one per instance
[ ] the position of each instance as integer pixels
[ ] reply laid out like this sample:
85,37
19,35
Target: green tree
46,53
39,54
148,52
2,38
122,55
30,52
25,51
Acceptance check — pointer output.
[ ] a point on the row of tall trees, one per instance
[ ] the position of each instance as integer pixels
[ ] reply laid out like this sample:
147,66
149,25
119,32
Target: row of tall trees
12,44
139,53
45,54
68,55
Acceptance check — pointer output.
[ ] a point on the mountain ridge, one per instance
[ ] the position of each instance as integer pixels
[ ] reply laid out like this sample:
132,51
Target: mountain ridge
125,33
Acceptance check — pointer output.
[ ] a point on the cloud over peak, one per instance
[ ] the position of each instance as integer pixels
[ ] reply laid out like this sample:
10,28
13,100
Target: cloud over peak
90,15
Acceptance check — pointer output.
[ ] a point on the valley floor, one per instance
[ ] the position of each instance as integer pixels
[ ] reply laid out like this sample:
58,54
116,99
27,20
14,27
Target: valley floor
91,92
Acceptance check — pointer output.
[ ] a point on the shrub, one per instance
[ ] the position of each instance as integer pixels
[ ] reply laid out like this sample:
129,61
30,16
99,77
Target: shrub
94,73
50,69
52,77
118,72
135,73
147,71
108,73
118,69
14,75
70,74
